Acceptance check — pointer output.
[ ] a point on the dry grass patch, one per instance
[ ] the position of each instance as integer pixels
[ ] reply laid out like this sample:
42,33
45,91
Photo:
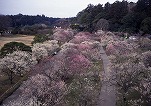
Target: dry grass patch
26,39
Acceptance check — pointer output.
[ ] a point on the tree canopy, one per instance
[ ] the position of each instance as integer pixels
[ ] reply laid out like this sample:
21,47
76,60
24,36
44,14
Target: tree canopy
121,15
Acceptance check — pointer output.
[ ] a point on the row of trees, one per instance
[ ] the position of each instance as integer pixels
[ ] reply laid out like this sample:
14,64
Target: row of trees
121,15
130,65
70,77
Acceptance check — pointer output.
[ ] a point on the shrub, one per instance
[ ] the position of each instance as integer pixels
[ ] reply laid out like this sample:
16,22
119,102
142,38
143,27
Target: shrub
14,46
40,39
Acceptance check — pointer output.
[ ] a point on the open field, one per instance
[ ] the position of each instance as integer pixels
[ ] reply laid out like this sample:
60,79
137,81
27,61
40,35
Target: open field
26,39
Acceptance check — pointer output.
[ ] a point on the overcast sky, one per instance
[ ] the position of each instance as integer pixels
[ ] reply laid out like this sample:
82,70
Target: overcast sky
50,8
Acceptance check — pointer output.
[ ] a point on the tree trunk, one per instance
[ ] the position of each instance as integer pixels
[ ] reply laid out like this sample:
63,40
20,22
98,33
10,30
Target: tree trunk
11,77
124,100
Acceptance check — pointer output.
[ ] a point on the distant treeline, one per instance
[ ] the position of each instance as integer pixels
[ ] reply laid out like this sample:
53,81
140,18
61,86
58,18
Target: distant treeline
22,20
122,16
18,21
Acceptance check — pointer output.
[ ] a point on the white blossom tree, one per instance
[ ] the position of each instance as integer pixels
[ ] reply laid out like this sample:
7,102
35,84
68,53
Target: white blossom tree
146,57
19,62
130,70
41,50
39,90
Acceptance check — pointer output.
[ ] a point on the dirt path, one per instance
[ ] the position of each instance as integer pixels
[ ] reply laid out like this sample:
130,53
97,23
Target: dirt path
107,96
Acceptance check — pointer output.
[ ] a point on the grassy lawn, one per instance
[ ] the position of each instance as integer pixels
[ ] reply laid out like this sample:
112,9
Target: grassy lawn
26,39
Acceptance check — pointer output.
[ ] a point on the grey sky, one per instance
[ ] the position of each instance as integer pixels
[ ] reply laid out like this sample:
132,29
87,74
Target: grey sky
50,8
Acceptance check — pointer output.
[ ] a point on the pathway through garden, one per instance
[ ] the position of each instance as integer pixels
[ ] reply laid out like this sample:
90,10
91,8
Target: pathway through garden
107,95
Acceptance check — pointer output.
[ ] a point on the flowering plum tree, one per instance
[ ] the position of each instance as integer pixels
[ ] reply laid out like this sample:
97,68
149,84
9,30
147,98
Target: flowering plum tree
119,47
90,49
41,50
63,35
147,58
68,45
128,73
40,91
18,62
81,37
68,78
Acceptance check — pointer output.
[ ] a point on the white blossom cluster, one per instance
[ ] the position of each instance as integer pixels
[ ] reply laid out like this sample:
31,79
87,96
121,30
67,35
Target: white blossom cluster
131,73
39,91
146,57
106,39
18,62
41,50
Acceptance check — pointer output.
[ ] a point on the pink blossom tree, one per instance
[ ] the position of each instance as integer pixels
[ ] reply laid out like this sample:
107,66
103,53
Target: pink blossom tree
63,35
119,47
81,37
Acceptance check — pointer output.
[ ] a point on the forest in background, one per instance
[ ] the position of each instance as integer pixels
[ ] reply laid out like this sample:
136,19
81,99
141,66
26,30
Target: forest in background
122,16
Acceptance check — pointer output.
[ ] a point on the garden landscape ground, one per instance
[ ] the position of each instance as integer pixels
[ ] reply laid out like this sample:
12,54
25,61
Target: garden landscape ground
26,39
81,68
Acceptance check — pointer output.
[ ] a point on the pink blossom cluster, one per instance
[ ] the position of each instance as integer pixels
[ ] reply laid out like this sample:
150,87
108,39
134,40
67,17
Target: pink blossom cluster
81,37
90,49
54,77
77,64
105,37
119,47
63,35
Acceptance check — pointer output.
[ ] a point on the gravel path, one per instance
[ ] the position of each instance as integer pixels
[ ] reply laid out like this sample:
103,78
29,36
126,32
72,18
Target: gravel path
107,95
